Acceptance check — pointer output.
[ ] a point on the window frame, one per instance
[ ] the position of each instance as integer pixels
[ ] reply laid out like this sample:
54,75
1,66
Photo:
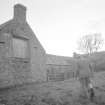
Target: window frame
27,50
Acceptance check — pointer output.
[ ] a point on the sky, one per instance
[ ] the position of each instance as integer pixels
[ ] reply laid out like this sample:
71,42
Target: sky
58,24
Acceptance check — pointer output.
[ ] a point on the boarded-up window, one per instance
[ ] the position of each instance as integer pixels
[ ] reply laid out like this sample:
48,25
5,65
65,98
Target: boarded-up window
20,47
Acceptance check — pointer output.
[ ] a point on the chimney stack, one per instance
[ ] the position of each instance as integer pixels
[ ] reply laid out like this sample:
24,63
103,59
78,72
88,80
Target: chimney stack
20,13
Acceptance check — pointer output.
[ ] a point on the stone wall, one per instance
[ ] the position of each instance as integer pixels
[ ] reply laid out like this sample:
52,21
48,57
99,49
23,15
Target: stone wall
12,70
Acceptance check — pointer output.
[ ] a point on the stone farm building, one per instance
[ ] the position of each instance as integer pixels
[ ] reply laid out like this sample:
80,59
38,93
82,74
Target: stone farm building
22,57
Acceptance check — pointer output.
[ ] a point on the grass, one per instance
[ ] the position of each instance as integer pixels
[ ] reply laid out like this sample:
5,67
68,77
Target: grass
55,93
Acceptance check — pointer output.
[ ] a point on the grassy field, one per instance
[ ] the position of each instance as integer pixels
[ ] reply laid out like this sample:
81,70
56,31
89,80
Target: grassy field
66,92
69,92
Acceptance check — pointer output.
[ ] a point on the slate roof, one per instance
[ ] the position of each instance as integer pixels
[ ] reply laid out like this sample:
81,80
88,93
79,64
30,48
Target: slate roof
59,60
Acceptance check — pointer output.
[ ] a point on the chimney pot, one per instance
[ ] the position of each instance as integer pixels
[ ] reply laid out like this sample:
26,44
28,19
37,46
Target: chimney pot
20,13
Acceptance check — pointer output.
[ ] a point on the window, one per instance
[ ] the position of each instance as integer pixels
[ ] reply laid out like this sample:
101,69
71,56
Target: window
20,47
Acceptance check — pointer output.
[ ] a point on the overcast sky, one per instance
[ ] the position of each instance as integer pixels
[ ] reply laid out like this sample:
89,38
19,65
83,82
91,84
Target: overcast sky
58,24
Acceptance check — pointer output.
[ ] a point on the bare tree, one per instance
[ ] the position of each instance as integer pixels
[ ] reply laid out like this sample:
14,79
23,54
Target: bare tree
90,43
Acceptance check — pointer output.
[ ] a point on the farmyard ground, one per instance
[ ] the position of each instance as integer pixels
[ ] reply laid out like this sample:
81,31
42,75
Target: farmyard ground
54,93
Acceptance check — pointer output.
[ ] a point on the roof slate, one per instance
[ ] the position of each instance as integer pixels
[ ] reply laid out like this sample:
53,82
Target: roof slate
59,60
